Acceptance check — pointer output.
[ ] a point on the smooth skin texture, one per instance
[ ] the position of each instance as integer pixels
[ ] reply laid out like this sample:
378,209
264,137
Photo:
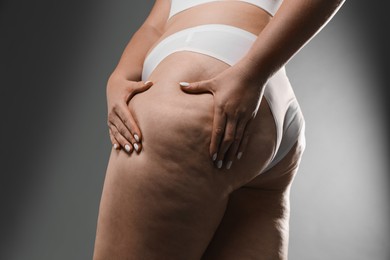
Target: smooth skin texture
170,201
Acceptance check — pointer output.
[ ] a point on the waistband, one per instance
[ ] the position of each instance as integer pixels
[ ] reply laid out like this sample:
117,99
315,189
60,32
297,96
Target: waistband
224,42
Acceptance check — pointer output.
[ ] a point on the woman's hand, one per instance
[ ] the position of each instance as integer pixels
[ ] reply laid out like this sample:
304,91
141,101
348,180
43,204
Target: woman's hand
123,129
237,97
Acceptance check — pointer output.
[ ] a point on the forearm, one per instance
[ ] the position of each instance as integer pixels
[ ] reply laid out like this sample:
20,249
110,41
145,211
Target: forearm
295,23
131,62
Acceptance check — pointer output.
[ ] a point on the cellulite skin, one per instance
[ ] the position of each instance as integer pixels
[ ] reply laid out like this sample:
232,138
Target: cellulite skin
170,198
170,201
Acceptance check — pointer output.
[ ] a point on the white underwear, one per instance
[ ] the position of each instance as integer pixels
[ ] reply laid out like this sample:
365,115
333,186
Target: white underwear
229,44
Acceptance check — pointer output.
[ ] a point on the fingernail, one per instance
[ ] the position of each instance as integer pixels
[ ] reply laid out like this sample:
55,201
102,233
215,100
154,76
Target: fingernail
115,146
127,148
136,137
136,147
239,155
147,82
219,164
214,156
229,164
184,84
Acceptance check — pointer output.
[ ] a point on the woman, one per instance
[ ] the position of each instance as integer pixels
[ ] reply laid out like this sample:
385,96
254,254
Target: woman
210,173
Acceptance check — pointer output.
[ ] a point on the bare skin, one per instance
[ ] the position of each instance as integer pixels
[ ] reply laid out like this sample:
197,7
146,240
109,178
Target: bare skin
170,201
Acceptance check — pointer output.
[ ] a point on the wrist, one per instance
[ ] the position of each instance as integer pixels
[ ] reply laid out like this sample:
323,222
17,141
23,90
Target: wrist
116,81
251,72
115,76
122,74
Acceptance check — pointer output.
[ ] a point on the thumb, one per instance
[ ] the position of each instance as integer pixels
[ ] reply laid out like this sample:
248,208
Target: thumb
142,86
195,87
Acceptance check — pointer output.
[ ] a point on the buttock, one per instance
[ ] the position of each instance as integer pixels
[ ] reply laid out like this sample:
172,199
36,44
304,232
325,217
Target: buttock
177,126
228,44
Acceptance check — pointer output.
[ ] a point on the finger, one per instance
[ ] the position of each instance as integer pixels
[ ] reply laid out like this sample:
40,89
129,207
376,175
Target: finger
137,88
232,152
227,140
114,142
133,134
122,129
122,141
195,87
142,86
130,129
219,123
245,139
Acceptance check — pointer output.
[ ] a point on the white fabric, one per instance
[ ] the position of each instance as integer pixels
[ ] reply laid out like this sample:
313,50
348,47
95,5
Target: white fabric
229,44
205,39
270,6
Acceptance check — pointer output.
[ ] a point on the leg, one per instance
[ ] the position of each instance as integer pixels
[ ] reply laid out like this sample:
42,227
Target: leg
168,201
144,215
255,225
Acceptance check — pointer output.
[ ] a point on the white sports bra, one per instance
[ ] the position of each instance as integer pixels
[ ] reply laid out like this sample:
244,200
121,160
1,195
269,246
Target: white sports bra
270,6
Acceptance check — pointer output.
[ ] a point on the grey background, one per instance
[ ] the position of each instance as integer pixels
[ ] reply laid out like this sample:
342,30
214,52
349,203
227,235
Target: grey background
55,57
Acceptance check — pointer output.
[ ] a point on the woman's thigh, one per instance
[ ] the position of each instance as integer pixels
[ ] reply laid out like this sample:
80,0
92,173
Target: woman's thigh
256,222
146,213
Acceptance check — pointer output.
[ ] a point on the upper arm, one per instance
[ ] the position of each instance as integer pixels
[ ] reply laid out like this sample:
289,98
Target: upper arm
158,15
